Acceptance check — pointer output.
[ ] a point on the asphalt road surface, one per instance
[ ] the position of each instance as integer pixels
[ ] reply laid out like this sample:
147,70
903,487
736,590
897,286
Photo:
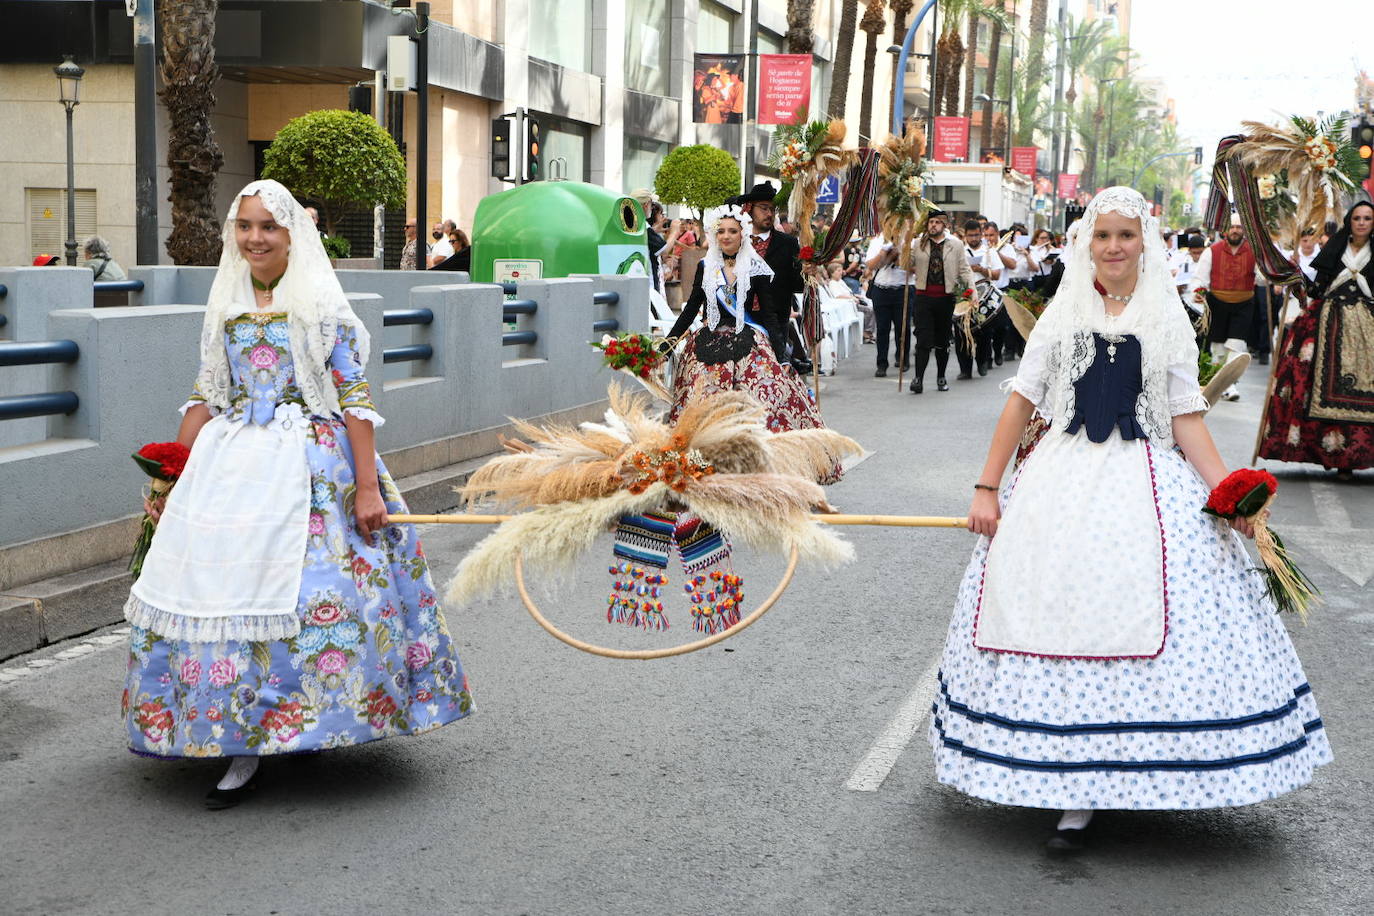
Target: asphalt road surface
783,771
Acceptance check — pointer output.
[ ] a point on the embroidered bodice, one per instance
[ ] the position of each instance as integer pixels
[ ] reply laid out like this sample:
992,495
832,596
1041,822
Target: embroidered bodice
264,374
1105,395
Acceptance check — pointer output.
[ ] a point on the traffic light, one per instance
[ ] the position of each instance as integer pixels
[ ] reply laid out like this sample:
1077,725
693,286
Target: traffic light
534,139
1197,155
1362,136
360,98
501,147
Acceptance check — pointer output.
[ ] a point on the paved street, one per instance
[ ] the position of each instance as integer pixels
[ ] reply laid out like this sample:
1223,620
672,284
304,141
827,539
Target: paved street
785,771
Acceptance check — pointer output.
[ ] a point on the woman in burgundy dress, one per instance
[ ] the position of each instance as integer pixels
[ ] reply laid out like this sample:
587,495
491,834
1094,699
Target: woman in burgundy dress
1322,406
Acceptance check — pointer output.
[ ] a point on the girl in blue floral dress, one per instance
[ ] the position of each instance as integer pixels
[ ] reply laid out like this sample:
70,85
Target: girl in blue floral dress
277,611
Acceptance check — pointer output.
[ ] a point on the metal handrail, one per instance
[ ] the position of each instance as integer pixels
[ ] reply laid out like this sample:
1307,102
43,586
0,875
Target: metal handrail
393,317
408,353
606,324
515,338
3,321
4,290
118,286
38,352
508,286
19,406
519,307
609,297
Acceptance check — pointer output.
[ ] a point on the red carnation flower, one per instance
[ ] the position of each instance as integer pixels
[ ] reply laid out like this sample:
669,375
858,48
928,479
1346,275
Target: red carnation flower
1242,493
807,253
164,460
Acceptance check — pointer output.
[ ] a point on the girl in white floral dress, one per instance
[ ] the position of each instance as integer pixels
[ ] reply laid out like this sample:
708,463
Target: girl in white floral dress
277,611
1111,646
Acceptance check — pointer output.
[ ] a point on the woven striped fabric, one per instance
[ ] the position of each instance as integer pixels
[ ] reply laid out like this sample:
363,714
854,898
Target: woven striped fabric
646,539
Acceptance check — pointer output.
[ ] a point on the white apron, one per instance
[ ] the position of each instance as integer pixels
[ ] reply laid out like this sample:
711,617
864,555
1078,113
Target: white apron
226,561
1077,566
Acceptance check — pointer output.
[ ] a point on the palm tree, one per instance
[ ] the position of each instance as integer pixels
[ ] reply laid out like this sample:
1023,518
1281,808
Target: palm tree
844,53
950,48
1030,103
189,74
994,55
900,10
873,24
1083,43
1035,53
800,38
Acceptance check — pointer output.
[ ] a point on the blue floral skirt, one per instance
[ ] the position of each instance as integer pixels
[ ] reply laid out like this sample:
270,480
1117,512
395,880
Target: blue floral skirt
373,657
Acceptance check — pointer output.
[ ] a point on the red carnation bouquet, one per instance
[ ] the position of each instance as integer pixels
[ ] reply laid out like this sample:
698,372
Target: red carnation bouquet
1247,494
632,353
639,356
164,463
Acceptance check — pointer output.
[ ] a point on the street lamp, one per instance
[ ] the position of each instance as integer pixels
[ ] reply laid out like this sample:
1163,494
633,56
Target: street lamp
69,74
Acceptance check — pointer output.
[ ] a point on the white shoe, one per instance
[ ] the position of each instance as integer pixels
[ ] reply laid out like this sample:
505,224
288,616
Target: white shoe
1230,394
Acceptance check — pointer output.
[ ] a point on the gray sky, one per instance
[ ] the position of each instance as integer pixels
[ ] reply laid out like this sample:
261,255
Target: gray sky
1225,61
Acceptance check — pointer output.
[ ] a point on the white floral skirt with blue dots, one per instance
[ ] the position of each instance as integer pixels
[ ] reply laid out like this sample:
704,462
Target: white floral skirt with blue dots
1222,716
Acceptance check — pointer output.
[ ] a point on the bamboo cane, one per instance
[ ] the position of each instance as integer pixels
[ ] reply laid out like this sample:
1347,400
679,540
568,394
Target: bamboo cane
882,521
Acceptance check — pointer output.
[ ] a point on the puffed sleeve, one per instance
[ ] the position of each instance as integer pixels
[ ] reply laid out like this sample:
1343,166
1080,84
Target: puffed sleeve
1032,379
197,397
346,368
1185,396
693,304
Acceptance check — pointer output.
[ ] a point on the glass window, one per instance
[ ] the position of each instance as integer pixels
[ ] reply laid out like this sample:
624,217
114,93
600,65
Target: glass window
768,44
568,141
563,35
642,159
714,27
646,46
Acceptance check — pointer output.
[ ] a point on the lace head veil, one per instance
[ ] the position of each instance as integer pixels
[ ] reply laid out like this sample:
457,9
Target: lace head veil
1155,315
747,264
308,292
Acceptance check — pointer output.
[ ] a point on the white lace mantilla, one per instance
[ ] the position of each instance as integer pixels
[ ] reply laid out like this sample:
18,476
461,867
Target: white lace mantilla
308,292
1154,315
748,264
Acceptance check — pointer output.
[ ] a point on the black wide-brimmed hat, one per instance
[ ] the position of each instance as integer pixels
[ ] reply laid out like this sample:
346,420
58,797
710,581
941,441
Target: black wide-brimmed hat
762,193
931,214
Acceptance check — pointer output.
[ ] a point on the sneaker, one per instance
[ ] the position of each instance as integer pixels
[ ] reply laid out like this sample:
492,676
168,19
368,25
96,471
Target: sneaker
1230,394
941,385
917,386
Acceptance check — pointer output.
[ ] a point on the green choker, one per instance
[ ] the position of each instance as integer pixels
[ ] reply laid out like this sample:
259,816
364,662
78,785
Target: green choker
266,287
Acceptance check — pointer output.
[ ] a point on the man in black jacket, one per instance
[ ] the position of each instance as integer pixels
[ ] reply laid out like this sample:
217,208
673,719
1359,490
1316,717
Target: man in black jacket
782,253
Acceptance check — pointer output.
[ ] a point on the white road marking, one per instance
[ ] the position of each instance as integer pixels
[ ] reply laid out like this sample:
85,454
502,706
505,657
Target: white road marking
1330,510
873,769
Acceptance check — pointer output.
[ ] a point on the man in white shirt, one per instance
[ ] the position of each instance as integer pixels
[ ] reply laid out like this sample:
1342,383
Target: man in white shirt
442,249
1014,272
885,292
987,268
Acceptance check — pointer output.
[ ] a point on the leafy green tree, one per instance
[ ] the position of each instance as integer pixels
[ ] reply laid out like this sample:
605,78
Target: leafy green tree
342,159
699,177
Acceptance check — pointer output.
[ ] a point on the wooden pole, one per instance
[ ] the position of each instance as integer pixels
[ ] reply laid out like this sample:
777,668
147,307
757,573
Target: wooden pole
882,521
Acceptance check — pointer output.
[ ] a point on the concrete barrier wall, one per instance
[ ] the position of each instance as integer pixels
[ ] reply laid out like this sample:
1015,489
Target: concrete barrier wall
138,363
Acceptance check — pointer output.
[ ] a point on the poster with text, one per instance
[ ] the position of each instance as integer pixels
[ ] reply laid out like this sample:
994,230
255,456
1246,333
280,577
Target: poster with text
784,87
1023,159
951,139
1068,185
718,92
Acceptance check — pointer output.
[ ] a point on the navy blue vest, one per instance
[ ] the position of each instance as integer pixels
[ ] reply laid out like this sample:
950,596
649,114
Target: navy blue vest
1105,396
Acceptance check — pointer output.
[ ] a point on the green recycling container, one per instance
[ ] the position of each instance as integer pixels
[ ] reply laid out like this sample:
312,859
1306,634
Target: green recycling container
555,229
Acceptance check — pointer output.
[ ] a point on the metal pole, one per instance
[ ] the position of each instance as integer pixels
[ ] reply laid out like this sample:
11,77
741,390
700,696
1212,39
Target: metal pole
751,91
930,65
899,97
1059,123
379,212
145,133
519,137
71,192
1111,120
421,129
